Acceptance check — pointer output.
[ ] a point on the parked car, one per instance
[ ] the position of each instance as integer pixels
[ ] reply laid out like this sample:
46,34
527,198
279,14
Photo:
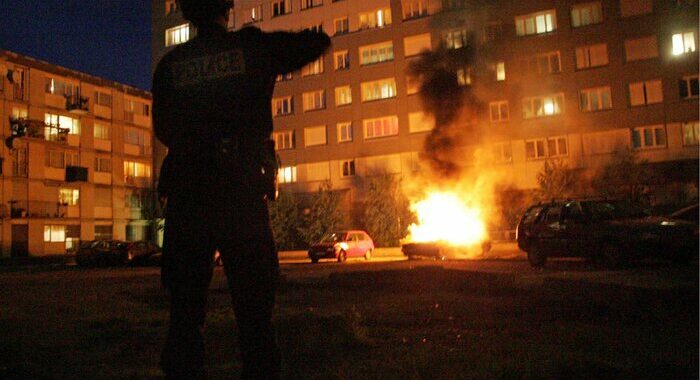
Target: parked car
101,253
138,252
610,231
341,245
690,214
114,252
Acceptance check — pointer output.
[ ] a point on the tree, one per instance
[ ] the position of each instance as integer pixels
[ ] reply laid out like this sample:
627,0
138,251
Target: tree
323,216
285,220
555,180
624,178
387,215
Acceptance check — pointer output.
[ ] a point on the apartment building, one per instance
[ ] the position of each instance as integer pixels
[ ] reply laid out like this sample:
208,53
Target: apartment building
574,80
76,158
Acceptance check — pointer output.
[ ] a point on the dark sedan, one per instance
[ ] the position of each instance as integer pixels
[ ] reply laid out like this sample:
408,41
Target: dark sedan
610,231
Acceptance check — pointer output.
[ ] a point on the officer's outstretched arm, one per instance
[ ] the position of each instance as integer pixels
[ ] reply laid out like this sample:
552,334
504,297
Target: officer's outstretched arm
291,51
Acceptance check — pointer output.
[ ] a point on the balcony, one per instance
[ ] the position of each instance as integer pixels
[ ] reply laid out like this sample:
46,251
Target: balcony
37,209
77,104
76,174
24,127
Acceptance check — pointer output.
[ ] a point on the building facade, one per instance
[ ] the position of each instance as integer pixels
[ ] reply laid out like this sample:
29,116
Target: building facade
572,80
76,158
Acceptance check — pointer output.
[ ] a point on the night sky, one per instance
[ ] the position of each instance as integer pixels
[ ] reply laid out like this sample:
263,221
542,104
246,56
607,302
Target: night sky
105,38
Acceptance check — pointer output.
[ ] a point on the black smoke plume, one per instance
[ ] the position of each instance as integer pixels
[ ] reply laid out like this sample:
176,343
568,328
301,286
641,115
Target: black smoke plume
445,99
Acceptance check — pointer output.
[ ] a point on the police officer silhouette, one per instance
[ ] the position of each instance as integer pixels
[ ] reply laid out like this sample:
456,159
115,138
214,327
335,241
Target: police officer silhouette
212,110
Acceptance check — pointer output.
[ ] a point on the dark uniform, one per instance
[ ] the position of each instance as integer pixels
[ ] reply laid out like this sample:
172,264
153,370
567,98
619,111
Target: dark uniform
212,109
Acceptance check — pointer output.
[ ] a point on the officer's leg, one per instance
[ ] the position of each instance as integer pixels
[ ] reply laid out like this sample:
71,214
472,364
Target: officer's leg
251,265
186,273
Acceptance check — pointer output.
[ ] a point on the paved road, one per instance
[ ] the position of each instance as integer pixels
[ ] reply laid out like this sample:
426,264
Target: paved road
504,259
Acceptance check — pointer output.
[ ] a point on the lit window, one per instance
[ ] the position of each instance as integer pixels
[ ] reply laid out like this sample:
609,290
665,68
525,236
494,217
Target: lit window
455,39
177,35
380,89
282,106
341,60
283,77
586,14
69,197
342,26
683,43
546,63
649,137
691,133
344,131
375,19
283,140
313,68
53,122
376,53
54,233
343,96
688,87
591,56
499,111
541,106
414,9
256,14
464,76
381,127
315,136
287,174
648,92
133,169
536,23
347,168
500,71
314,100
595,99
60,87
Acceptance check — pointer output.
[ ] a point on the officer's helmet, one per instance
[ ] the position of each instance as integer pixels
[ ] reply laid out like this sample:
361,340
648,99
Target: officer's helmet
204,11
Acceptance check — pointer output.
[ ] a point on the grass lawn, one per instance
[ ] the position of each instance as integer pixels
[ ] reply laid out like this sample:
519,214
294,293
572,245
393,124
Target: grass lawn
426,323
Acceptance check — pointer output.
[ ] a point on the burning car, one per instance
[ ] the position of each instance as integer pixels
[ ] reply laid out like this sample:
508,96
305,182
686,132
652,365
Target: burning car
341,245
447,227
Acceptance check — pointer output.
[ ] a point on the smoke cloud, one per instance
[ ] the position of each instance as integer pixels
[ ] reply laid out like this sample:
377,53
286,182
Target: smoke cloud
446,99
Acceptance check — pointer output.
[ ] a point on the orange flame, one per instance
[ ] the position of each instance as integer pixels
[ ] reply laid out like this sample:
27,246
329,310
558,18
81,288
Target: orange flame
444,217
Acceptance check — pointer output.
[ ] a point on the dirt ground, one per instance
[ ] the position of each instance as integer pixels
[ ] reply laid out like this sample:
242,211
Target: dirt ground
402,322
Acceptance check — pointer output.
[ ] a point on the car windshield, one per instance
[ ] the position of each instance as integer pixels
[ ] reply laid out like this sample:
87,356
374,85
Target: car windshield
607,210
333,237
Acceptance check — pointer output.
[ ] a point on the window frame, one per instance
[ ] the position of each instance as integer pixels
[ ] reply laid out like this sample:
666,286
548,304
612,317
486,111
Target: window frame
599,93
640,131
